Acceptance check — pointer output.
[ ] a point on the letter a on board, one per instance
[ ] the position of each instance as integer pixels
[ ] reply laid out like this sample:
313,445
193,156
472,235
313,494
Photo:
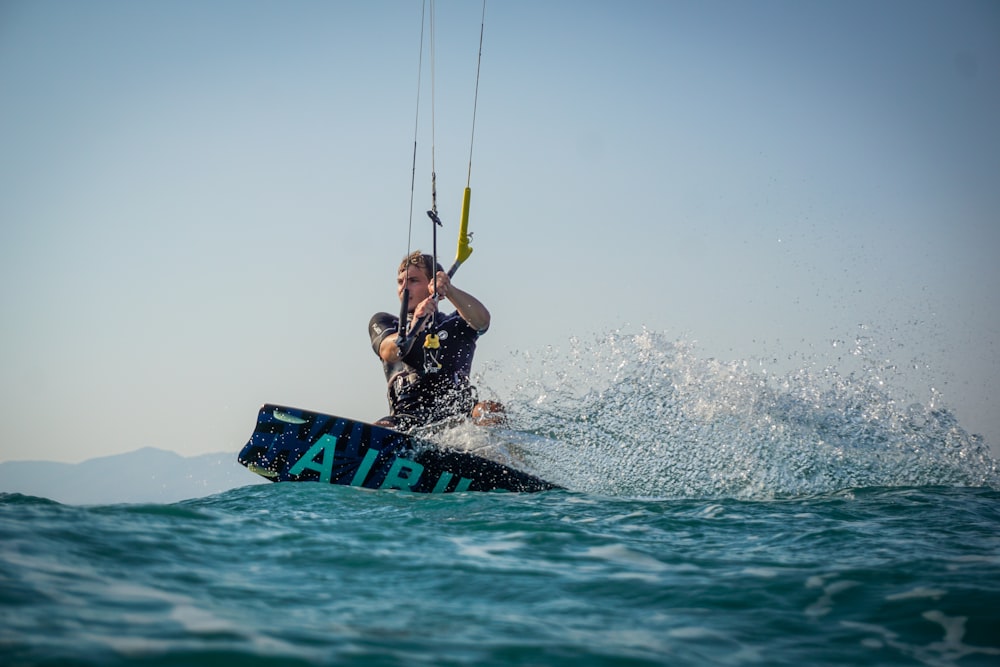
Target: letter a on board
327,445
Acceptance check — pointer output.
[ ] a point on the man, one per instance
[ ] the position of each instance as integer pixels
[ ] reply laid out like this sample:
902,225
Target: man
430,381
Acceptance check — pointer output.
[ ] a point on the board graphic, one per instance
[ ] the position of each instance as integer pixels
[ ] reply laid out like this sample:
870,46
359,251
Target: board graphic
294,445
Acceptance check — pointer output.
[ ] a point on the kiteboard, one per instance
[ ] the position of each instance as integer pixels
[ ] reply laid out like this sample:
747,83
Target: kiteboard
294,445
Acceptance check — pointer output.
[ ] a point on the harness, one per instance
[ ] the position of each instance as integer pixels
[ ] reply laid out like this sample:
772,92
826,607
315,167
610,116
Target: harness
428,389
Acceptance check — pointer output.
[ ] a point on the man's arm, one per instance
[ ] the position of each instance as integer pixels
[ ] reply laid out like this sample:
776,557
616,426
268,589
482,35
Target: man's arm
382,330
389,351
469,307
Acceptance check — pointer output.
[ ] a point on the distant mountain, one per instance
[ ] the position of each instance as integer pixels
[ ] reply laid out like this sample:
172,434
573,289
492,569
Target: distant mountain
146,475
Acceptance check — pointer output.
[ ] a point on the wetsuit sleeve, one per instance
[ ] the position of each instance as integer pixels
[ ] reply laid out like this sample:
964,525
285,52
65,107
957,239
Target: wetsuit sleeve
458,325
381,326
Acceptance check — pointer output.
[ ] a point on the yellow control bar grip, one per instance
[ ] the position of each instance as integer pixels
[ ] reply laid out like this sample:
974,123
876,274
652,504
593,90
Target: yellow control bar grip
464,250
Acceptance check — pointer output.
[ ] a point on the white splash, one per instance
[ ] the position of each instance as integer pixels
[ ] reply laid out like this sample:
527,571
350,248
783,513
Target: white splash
639,415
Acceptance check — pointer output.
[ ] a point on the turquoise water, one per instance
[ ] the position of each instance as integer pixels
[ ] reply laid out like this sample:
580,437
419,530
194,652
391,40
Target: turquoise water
716,514
304,574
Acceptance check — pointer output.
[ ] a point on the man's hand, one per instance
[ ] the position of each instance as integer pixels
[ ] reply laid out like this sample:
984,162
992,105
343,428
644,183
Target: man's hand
426,307
443,285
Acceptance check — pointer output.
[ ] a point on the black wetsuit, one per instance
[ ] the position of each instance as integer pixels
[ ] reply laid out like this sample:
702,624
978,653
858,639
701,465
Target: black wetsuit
416,396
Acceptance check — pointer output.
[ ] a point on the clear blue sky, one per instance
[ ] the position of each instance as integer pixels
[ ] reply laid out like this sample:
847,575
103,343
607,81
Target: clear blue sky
202,203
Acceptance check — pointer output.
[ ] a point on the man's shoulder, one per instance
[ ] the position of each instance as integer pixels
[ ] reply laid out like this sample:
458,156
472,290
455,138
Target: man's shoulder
456,322
381,322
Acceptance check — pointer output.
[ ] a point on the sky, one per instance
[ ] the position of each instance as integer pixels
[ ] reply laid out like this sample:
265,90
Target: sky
202,203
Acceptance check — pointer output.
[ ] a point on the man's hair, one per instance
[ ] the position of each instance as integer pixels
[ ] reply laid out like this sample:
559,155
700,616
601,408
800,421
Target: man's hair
420,260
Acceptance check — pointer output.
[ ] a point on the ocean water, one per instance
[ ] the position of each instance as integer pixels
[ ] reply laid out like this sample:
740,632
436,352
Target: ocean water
301,574
715,514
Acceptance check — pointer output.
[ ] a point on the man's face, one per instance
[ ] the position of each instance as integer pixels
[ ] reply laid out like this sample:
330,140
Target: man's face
414,281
